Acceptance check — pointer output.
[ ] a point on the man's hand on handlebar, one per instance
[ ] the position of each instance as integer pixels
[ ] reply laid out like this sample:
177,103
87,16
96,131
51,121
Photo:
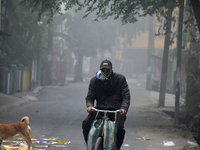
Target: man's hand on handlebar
123,112
89,109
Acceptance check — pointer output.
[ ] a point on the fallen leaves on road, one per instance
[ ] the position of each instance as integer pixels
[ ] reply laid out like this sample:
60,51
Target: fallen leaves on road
17,143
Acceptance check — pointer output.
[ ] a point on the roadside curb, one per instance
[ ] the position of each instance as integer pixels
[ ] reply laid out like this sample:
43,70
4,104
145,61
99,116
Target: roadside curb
10,101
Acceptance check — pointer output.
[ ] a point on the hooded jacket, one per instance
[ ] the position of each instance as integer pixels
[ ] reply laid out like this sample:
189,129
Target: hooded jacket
113,95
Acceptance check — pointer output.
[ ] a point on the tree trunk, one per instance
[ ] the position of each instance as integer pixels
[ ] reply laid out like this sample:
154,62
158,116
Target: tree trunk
192,69
49,57
150,50
78,68
167,43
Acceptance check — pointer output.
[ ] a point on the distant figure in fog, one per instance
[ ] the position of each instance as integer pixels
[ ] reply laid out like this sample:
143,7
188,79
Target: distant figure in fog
111,92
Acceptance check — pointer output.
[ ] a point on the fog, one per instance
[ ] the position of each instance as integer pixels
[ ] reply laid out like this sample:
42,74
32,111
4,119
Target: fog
126,46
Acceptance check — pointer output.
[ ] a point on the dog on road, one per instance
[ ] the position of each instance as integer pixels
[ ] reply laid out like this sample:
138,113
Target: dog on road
9,130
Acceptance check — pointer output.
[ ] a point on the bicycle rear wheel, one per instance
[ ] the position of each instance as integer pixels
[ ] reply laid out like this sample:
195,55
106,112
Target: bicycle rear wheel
99,144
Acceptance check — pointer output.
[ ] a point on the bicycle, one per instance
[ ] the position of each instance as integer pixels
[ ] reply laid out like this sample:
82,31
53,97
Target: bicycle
100,139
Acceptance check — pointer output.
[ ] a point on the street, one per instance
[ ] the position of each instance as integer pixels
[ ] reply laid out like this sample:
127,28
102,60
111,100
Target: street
50,49
57,117
57,114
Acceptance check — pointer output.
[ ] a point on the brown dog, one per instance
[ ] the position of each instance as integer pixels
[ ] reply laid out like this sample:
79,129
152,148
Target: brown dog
9,130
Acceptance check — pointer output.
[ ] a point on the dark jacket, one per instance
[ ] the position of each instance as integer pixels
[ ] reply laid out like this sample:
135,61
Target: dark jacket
111,96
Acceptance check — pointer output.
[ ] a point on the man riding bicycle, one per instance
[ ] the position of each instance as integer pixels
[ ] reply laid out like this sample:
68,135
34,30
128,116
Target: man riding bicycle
111,92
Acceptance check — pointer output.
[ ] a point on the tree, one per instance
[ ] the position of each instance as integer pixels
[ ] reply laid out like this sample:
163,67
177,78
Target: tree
92,36
128,11
89,36
165,55
46,8
21,46
192,59
150,51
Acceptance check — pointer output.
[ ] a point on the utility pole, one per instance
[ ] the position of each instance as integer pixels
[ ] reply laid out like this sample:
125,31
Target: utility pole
178,65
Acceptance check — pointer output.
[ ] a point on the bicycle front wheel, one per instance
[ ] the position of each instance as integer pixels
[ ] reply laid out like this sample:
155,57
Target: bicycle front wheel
99,144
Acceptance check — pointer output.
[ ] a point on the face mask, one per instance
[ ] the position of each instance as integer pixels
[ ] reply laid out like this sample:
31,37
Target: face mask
106,75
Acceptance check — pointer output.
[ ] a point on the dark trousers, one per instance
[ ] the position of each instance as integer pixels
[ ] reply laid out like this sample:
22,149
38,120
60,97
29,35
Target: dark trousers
86,125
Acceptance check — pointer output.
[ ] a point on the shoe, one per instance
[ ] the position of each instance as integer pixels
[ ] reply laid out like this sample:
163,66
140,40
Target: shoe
118,149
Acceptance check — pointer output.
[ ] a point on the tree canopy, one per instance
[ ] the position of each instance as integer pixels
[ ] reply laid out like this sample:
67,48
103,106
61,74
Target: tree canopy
127,10
26,35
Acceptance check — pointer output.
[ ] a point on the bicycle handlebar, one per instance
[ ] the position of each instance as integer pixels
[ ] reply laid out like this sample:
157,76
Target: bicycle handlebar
109,111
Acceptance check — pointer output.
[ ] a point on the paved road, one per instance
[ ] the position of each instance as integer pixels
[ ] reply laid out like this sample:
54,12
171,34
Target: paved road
57,114
59,111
